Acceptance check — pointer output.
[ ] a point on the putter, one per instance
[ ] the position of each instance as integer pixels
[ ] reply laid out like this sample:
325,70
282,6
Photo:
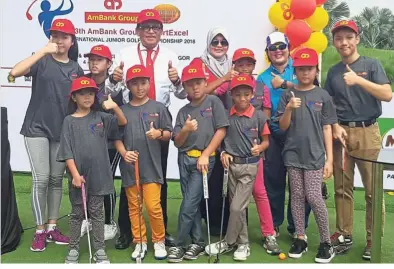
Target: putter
86,218
137,182
206,197
224,195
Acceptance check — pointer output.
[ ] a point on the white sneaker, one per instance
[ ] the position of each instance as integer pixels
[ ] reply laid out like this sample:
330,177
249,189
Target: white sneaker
242,252
224,247
160,250
137,251
84,227
110,231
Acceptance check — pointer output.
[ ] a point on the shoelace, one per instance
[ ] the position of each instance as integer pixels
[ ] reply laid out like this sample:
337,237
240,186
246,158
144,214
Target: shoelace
242,248
160,245
174,250
194,247
38,236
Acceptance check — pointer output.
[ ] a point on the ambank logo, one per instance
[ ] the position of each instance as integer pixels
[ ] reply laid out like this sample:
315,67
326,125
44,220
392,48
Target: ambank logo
85,82
305,56
388,139
48,13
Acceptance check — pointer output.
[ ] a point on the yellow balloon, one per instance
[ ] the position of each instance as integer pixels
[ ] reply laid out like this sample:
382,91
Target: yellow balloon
285,2
279,15
318,20
318,41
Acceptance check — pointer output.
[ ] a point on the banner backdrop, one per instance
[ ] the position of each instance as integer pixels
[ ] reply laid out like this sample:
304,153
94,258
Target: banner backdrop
112,22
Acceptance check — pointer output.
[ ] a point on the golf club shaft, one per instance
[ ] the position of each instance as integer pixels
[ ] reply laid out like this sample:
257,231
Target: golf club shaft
224,195
86,218
206,197
137,182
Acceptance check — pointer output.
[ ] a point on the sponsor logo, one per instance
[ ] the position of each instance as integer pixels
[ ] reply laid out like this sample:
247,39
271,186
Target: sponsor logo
388,139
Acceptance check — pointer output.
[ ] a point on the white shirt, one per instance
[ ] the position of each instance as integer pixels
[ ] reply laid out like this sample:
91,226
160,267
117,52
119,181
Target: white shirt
163,85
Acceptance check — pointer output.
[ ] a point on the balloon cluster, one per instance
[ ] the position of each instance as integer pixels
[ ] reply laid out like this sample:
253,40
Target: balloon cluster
302,21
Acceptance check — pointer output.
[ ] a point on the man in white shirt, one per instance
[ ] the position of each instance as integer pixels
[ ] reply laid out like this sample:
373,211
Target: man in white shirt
160,62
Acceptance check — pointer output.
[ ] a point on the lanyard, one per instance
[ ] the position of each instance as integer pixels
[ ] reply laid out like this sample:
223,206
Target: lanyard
140,55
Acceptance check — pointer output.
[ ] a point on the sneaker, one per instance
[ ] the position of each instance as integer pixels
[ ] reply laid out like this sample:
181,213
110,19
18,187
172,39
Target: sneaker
295,236
324,191
194,251
271,245
56,236
39,243
242,252
138,250
367,251
84,227
160,250
276,228
224,247
325,253
175,254
298,248
101,257
110,231
341,243
72,257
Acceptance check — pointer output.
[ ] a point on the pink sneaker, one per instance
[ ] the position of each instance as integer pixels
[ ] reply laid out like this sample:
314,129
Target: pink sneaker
39,242
56,236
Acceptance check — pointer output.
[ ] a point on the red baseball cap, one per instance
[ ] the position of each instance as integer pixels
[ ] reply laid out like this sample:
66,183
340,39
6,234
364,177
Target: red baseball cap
192,72
149,14
83,83
345,24
100,50
305,57
245,80
64,26
243,53
137,71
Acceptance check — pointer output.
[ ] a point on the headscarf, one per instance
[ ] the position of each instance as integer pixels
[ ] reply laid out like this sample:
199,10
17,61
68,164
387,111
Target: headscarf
219,67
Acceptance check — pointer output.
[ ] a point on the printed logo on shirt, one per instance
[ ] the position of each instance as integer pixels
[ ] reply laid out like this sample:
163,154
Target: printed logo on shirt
206,113
315,105
146,116
257,98
72,75
252,133
362,74
97,128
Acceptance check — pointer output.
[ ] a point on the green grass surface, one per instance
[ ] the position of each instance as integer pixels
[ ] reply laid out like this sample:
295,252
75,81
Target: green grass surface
56,253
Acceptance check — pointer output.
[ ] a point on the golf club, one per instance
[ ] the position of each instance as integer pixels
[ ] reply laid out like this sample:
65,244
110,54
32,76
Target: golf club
206,197
224,195
137,182
86,218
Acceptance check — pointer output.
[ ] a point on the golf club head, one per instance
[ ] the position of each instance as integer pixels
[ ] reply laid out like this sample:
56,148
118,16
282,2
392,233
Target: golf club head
138,260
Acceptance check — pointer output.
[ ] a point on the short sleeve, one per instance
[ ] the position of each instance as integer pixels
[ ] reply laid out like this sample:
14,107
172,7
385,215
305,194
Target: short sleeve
266,130
378,74
282,106
35,67
179,122
219,114
165,119
80,71
267,98
65,149
111,126
222,89
328,112
327,85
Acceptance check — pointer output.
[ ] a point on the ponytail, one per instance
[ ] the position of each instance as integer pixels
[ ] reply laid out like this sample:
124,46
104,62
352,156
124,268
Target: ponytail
73,51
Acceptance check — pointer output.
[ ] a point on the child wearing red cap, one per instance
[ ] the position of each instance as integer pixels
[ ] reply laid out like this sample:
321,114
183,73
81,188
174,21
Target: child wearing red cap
52,68
149,124
199,130
306,113
245,141
83,147
100,60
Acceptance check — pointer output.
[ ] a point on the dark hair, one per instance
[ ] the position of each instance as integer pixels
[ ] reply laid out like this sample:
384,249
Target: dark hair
72,106
73,51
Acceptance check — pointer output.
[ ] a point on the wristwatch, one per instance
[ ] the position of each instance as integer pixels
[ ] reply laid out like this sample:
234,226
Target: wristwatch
284,84
161,133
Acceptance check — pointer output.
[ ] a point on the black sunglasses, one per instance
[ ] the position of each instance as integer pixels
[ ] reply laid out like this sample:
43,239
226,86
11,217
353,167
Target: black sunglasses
216,43
154,27
277,47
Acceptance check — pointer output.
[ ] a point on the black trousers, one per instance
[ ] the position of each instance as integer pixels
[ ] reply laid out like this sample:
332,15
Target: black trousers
110,200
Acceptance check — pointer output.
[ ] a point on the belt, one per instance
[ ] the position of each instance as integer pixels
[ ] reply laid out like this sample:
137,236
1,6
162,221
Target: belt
239,160
195,153
353,124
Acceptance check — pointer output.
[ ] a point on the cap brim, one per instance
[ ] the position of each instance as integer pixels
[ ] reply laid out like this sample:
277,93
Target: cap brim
198,77
242,84
147,77
244,57
96,54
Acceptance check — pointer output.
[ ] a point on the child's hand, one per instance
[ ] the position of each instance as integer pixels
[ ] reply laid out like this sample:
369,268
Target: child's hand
327,172
51,47
256,148
190,125
226,160
118,72
203,163
294,102
109,104
77,181
231,74
130,156
153,133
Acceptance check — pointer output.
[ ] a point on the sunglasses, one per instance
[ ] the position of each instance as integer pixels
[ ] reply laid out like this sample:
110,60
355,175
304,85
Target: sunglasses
216,43
154,27
277,47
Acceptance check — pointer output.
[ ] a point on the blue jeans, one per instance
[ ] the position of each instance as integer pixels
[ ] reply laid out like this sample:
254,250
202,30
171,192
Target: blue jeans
189,218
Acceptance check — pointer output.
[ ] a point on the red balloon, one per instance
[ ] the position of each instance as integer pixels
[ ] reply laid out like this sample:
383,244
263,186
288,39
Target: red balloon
298,32
302,9
320,2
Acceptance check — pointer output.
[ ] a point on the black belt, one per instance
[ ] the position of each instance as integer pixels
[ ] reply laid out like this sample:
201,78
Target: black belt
353,124
239,160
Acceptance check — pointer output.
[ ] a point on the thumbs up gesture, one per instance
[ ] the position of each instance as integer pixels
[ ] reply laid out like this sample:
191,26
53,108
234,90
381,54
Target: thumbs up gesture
255,148
294,102
153,133
190,125
118,72
276,81
51,47
172,73
350,77
231,74
109,103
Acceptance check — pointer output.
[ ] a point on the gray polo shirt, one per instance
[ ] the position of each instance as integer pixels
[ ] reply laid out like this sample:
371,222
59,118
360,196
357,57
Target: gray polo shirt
134,138
85,140
304,145
210,115
353,103
49,97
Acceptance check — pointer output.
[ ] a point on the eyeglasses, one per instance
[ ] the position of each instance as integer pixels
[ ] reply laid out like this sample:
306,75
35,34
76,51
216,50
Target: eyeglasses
277,47
154,27
216,43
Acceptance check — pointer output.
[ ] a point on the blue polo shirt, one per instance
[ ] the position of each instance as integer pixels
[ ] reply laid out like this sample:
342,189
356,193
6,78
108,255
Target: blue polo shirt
266,77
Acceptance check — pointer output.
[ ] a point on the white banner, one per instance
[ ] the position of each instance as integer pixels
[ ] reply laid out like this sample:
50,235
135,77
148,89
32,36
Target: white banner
112,22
